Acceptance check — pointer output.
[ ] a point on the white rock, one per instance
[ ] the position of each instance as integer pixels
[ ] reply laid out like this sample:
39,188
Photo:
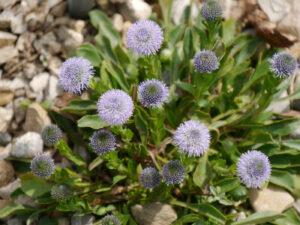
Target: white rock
10,188
36,118
4,4
38,84
276,10
25,41
6,115
82,220
5,152
18,24
135,10
47,43
5,85
7,38
270,198
5,19
54,88
18,83
78,25
280,106
28,145
29,70
54,65
154,214
7,53
71,38
178,8
118,22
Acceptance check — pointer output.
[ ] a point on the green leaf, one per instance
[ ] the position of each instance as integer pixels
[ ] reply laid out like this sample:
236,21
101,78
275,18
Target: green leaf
96,162
122,55
283,179
79,106
92,121
291,218
101,210
175,34
15,209
202,172
118,74
89,52
259,218
228,31
188,44
295,144
190,218
228,184
118,178
33,186
65,151
248,50
186,86
73,204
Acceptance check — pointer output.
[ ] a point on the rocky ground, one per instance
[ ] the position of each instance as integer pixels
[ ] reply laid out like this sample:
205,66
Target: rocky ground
36,36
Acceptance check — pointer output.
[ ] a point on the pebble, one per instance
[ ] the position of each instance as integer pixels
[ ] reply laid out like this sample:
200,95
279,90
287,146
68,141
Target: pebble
5,152
29,70
276,10
271,198
59,9
54,65
135,10
5,19
6,115
7,53
6,97
5,138
4,4
19,111
54,88
154,214
118,22
179,7
7,39
6,173
17,83
18,25
281,106
10,188
82,220
25,41
38,84
71,38
36,118
27,146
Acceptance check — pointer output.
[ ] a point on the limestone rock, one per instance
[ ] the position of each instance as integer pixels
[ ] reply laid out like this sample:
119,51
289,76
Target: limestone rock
5,152
54,65
82,220
7,39
6,115
6,173
135,10
54,88
59,9
36,118
25,41
38,84
19,111
14,221
4,4
17,83
5,138
276,10
18,24
29,70
71,38
5,19
270,198
118,22
47,43
178,8
10,188
154,214
6,97
28,145
7,53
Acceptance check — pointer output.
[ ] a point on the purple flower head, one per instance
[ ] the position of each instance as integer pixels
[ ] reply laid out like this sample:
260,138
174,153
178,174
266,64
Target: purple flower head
144,37
51,134
173,172
75,74
253,168
110,220
153,93
205,61
211,10
103,141
115,107
61,192
150,177
192,137
42,166
283,65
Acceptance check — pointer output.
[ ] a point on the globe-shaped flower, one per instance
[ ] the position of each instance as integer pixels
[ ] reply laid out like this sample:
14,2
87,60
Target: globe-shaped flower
253,168
110,220
42,166
150,177
51,134
283,65
75,74
115,107
211,10
103,141
205,61
144,37
173,172
153,93
192,137
61,192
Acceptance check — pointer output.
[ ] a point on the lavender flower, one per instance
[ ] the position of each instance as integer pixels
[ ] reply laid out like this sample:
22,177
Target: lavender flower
192,137
150,177
253,168
42,166
173,172
153,93
283,65
75,74
51,134
144,37
110,220
115,107
103,141
211,10
61,192
205,61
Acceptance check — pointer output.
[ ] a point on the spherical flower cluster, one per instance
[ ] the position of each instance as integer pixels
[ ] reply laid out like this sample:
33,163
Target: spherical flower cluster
253,168
51,134
115,107
61,192
75,74
283,65
110,220
211,10
192,137
144,37
205,61
173,172
42,166
103,141
150,177
153,93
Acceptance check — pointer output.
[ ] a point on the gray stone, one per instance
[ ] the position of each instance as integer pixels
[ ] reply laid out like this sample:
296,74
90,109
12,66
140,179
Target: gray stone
59,9
7,53
10,188
63,221
38,84
154,214
5,152
54,88
25,200
271,198
6,173
5,138
36,118
280,106
7,39
135,10
14,221
19,111
82,220
178,8
48,43
118,22
28,145
6,115
17,83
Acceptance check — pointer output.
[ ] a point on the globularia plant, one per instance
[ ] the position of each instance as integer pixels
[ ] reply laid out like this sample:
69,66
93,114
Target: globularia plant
174,117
